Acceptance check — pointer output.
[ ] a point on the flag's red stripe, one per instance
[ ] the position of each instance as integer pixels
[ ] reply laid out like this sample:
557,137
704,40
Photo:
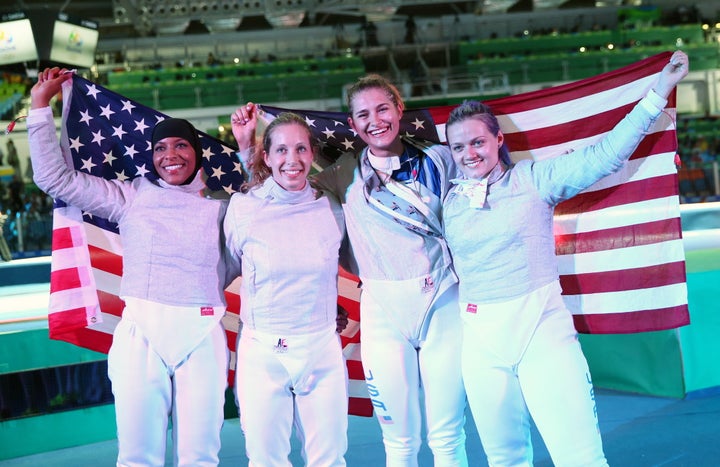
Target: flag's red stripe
647,233
110,303
638,321
440,114
355,370
557,134
618,195
351,306
94,340
343,273
656,143
659,142
105,260
62,238
360,406
233,302
579,89
64,279
231,340
623,279
354,339
67,320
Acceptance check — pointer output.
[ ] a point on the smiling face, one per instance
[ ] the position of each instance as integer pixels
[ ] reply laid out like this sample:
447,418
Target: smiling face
376,119
474,148
174,160
289,156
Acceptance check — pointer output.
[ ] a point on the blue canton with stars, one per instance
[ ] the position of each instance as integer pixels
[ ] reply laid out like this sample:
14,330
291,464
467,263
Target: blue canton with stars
335,137
109,137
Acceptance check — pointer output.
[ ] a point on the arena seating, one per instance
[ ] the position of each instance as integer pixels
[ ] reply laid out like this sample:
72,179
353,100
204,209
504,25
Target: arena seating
568,57
207,86
10,95
548,58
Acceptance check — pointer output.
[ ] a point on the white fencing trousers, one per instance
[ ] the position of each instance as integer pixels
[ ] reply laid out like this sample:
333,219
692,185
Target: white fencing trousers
397,365
286,381
522,356
148,390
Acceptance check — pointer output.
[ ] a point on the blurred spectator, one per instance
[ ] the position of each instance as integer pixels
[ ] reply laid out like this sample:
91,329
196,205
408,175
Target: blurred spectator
12,156
418,77
29,172
410,29
212,61
5,254
701,150
340,41
16,194
370,33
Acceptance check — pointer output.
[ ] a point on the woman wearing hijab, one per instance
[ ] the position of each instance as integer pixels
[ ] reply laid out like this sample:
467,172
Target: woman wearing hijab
169,356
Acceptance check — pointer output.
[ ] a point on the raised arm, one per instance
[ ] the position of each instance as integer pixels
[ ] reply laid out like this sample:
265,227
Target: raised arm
562,177
49,84
676,69
51,172
244,124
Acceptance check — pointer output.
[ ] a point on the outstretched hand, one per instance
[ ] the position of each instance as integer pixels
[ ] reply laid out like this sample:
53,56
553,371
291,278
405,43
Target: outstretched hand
49,84
676,69
244,123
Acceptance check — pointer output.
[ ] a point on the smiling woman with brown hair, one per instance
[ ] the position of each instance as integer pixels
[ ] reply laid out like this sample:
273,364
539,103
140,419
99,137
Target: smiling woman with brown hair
290,369
521,356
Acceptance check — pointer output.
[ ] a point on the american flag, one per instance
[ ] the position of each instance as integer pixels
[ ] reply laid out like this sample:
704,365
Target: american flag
621,257
107,135
622,261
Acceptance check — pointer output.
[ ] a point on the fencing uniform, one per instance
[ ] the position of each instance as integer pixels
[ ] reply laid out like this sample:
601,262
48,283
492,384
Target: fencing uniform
409,323
169,355
290,368
520,349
